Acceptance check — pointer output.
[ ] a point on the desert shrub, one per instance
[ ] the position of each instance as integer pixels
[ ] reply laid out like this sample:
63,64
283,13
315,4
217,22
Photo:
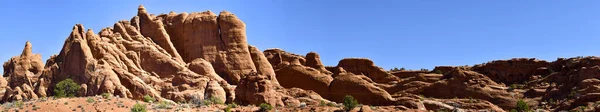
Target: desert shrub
522,106
106,95
438,72
138,108
212,100
18,104
349,102
66,88
232,105
164,105
323,103
229,106
572,94
43,99
265,107
513,86
90,100
196,100
148,98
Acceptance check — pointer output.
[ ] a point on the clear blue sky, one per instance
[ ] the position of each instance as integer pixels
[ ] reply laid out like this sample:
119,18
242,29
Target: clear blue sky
394,33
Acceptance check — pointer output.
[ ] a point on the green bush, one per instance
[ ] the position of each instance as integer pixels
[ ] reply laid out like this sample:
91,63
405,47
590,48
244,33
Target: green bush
438,72
138,108
66,88
522,106
265,107
149,99
106,95
90,100
513,86
18,104
229,106
323,103
232,105
349,102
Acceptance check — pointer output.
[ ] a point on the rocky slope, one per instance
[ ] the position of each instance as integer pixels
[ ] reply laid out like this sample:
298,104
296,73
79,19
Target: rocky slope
181,57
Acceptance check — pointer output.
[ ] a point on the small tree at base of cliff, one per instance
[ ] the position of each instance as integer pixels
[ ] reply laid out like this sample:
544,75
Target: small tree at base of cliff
66,88
349,102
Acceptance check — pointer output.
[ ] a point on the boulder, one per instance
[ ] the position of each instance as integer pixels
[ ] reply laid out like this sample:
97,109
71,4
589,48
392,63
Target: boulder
359,88
307,78
256,89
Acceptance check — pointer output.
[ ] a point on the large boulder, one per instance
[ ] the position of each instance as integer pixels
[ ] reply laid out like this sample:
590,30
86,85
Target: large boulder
303,77
360,88
256,89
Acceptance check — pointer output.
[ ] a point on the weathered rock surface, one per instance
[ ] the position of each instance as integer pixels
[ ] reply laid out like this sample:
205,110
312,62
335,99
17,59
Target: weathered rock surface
305,78
178,57
362,66
256,89
469,84
516,70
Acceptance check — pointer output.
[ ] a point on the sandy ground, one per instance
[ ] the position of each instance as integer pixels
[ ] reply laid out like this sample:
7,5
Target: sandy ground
99,104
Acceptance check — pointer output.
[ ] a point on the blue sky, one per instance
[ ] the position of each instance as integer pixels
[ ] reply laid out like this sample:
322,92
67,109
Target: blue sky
394,33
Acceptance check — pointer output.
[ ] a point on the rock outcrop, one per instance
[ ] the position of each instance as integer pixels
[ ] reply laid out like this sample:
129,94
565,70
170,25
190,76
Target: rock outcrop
512,71
256,89
182,57
363,66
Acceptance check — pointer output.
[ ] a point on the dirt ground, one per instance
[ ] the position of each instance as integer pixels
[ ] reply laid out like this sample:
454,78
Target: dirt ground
100,104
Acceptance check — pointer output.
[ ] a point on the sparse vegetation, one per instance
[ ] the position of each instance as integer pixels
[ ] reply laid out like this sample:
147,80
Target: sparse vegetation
323,103
43,99
522,106
106,95
265,107
513,86
438,72
90,100
18,104
148,98
138,108
163,105
229,107
572,94
196,100
212,100
396,69
232,105
350,103
66,88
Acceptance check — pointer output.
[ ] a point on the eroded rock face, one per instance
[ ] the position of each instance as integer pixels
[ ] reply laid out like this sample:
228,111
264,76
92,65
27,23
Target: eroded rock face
362,90
363,66
468,84
303,77
182,57
220,40
21,69
516,70
257,89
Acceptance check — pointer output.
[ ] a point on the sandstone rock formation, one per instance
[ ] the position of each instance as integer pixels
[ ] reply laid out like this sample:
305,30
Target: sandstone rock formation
180,57
257,89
